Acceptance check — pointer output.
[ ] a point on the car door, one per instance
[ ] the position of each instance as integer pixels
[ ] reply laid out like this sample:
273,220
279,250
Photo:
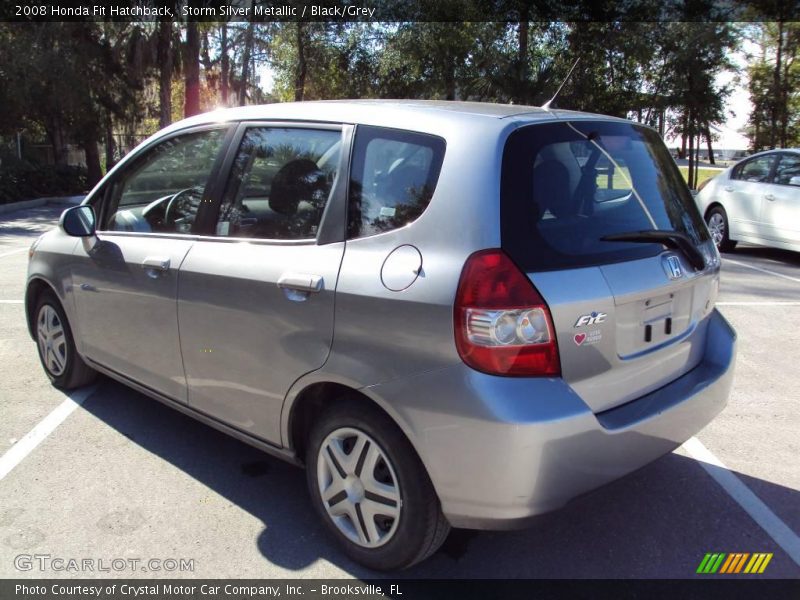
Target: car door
781,212
743,196
256,299
126,280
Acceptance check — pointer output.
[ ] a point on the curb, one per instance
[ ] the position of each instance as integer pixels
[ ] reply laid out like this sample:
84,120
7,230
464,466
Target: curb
56,201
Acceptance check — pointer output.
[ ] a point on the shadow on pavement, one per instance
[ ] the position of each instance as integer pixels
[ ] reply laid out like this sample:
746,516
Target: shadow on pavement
656,523
764,253
30,222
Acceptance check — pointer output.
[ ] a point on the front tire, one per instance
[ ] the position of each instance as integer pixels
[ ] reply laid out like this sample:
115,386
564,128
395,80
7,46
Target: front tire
61,361
370,488
717,222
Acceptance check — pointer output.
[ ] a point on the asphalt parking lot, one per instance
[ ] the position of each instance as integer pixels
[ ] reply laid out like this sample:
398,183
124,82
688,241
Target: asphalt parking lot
125,477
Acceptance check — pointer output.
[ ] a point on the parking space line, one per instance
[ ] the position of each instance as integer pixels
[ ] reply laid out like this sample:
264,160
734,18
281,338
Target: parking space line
781,275
17,453
752,504
17,251
758,303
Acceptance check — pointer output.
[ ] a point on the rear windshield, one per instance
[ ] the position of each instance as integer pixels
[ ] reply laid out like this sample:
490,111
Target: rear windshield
566,185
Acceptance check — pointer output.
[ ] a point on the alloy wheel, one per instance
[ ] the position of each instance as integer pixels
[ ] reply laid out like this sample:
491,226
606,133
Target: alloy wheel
716,226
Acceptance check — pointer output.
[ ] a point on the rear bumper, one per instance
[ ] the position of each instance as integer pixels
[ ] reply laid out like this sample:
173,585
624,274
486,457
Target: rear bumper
501,450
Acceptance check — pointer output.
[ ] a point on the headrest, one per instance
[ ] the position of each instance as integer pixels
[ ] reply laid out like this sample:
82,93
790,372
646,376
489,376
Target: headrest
296,182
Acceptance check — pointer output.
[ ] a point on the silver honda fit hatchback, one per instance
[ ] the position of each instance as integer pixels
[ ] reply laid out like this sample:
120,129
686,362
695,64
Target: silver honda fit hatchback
453,314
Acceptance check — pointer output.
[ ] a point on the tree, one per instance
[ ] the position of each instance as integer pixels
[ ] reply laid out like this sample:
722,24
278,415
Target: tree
192,70
692,55
165,61
774,85
94,81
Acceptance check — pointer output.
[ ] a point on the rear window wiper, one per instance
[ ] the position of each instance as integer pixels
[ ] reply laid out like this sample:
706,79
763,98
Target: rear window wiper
671,239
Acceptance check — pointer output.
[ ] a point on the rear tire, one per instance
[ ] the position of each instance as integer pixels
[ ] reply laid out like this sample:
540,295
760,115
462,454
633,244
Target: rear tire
370,488
57,353
717,222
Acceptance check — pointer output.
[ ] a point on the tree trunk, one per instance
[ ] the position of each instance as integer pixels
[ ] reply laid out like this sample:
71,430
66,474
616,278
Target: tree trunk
111,144
248,49
164,73
785,91
696,161
55,134
776,93
522,57
684,130
224,63
191,105
300,77
710,149
93,171
690,135
450,80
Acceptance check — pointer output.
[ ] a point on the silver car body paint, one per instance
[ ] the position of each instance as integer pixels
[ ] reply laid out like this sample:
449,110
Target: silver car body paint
215,336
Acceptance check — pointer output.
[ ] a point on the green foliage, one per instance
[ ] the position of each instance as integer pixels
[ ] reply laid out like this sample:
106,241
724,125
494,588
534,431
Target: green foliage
774,86
79,82
21,180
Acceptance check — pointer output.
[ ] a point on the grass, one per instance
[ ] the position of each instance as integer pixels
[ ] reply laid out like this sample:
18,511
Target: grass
702,174
620,181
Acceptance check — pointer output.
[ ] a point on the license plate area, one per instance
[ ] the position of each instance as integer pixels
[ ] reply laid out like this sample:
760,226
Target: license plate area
650,322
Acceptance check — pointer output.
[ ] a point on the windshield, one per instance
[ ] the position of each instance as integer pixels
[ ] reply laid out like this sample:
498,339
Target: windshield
567,185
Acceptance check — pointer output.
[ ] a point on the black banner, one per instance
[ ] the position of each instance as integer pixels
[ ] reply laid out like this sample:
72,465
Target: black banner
400,10
399,589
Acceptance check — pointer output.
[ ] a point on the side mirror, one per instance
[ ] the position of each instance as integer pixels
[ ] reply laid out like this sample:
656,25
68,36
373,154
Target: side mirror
78,221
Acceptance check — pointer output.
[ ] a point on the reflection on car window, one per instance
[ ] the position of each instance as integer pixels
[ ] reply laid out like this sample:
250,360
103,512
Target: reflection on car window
755,170
788,170
280,183
565,186
393,178
163,190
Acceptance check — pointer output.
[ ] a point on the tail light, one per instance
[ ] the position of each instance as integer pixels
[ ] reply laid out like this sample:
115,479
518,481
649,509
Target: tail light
502,324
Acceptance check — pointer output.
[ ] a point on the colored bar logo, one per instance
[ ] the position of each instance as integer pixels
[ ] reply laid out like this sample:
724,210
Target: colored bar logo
734,563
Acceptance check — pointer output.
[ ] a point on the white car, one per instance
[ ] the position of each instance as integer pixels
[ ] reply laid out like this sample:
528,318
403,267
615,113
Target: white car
757,201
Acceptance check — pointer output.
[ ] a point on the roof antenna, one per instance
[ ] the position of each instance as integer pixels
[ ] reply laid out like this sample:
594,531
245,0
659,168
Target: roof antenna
547,104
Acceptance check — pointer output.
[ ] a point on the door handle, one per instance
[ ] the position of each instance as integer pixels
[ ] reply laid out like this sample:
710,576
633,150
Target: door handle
769,197
300,282
728,188
156,263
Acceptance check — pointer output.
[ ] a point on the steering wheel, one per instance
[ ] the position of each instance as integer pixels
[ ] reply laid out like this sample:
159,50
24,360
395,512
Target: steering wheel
175,206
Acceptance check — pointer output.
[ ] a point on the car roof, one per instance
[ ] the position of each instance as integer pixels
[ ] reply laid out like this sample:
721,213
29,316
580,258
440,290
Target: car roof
422,115
773,150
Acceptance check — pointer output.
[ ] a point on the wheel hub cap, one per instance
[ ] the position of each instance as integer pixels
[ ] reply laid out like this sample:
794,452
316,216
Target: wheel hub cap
358,487
354,489
52,341
716,226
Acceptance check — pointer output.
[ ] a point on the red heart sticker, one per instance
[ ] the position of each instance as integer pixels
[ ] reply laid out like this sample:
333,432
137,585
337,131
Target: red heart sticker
579,338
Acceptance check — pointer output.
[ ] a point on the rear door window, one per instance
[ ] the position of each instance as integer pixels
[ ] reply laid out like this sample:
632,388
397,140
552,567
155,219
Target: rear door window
393,177
566,185
756,170
280,183
788,170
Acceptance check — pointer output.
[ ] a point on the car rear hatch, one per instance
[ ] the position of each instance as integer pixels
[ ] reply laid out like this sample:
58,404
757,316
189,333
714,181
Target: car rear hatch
629,315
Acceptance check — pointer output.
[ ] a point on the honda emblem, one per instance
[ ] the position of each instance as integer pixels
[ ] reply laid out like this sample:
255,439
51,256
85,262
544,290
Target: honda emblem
674,267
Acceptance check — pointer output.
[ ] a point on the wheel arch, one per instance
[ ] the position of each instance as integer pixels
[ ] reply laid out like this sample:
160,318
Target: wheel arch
711,206
35,288
717,204
302,408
